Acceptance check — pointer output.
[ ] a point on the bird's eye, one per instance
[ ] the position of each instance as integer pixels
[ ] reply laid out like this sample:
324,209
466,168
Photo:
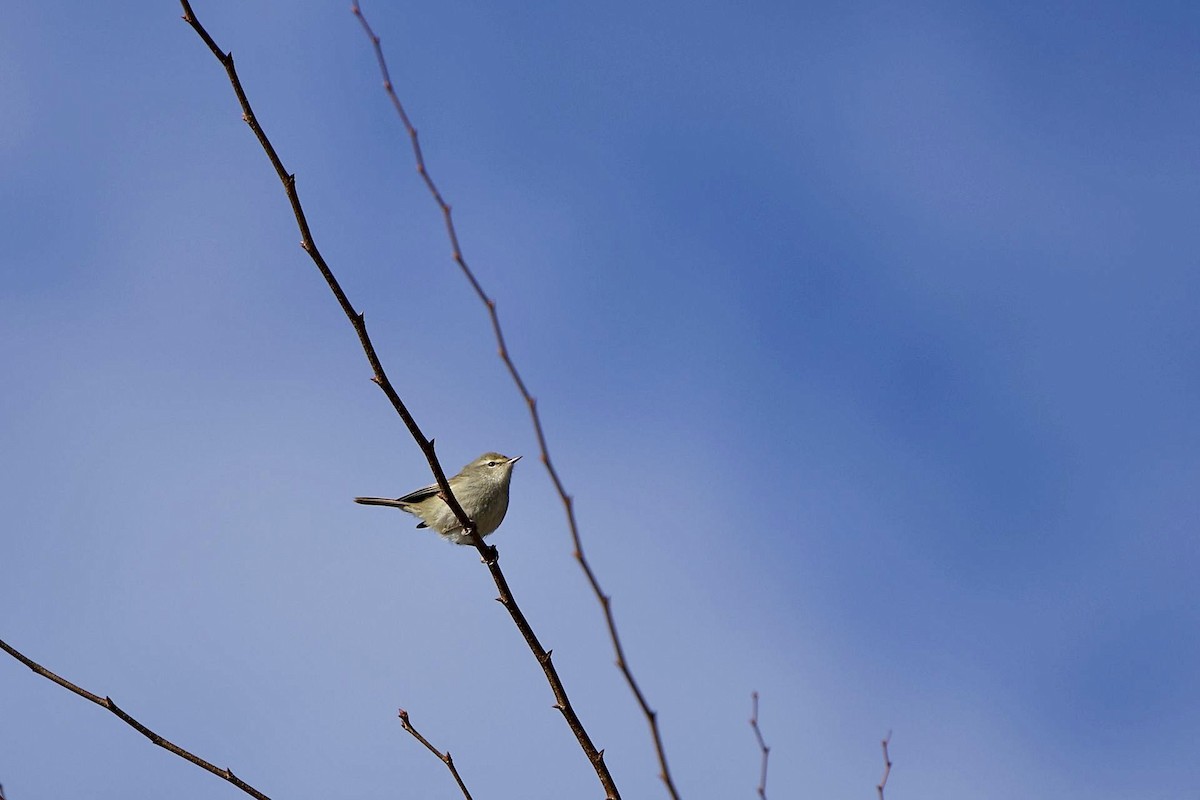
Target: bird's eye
491,463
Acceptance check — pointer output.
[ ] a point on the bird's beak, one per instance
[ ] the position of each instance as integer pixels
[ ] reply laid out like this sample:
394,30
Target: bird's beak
514,459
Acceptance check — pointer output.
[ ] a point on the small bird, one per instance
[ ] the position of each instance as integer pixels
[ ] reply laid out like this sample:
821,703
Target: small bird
481,488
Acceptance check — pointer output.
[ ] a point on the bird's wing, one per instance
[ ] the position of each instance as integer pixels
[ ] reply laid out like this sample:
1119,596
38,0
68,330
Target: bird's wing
420,494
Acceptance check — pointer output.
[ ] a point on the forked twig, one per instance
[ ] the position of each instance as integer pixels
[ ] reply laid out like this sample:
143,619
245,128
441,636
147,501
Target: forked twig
445,757
106,702
887,764
488,553
762,778
544,452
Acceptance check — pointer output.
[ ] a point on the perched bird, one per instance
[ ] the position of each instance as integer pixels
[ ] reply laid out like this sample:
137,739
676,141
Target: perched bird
481,488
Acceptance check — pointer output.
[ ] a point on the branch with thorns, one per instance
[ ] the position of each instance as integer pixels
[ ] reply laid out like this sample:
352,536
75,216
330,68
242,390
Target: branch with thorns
445,757
544,452
107,703
762,778
489,554
887,765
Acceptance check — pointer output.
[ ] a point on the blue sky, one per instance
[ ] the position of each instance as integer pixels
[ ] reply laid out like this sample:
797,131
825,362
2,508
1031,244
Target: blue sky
865,337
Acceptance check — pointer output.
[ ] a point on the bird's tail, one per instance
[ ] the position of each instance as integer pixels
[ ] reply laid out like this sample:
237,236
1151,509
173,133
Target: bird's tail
380,501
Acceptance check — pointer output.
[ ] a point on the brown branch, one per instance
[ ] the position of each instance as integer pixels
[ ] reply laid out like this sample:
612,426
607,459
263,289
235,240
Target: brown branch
489,303
106,702
445,757
356,319
887,765
488,553
762,778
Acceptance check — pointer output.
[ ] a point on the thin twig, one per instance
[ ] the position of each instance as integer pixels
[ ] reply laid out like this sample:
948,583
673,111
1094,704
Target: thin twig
762,778
887,765
106,702
445,757
489,554
544,452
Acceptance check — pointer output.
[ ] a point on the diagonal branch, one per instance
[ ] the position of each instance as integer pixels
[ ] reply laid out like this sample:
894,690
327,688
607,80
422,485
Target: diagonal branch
488,553
887,765
310,247
456,252
762,778
106,702
443,757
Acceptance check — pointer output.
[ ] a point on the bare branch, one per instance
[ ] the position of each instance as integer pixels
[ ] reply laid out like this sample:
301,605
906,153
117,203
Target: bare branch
106,702
489,303
445,757
489,554
762,778
310,247
887,765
